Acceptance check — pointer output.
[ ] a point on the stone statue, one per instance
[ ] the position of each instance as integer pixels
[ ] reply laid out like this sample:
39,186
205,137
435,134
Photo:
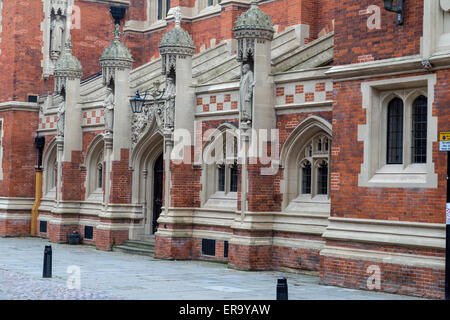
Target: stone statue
57,38
61,117
246,93
169,96
108,105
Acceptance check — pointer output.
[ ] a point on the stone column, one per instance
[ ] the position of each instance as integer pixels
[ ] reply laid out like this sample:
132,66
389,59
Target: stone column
251,243
69,146
114,227
176,51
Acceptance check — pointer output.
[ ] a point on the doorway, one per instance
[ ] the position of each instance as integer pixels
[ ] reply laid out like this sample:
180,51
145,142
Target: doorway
158,171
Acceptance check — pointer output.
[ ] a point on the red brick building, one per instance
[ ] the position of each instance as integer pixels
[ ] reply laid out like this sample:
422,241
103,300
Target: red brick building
289,134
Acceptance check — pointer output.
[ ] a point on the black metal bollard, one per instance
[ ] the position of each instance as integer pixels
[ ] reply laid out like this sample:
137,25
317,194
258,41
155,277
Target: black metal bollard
47,271
282,289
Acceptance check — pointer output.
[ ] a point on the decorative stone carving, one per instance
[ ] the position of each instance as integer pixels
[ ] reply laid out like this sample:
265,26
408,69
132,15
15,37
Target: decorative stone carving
161,109
175,43
169,97
67,67
61,117
252,24
115,57
108,105
57,36
246,87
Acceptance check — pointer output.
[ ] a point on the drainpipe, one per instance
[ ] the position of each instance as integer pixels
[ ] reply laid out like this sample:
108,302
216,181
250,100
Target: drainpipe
39,142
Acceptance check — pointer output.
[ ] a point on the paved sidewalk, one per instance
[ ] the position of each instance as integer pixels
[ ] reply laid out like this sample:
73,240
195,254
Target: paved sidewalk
115,275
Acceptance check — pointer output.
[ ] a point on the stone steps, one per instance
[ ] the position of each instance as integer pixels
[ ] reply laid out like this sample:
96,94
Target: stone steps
139,247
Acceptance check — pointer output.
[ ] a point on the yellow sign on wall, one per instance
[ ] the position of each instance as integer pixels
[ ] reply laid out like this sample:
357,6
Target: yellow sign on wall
444,141
444,136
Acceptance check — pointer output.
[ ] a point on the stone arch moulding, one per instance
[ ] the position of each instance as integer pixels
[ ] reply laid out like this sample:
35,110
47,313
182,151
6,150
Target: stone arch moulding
93,151
304,132
49,152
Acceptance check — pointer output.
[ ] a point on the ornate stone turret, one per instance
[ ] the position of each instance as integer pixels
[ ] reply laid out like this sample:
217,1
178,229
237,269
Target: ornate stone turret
115,56
176,42
67,67
252,24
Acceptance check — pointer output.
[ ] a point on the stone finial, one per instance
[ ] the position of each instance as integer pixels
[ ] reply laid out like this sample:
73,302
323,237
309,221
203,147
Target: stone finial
67,67
177,15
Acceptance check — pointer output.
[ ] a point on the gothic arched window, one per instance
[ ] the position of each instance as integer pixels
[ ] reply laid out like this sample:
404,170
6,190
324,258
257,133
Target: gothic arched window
419,130
394,154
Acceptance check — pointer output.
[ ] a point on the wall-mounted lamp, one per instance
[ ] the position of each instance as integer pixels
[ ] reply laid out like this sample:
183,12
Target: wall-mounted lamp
39,142
397,9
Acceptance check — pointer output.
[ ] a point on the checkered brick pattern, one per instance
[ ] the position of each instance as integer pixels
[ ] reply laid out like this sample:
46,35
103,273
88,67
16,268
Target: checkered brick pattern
306,91
93,117
48,122
217,102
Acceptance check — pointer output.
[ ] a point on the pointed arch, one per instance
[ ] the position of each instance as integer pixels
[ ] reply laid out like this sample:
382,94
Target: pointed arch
94,164
49,162
303,156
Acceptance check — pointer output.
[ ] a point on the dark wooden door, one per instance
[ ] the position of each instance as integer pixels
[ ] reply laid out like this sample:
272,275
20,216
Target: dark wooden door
157,190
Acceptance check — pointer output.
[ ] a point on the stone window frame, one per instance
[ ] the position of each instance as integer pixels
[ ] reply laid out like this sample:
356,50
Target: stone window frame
211,197
310,153
1,146
94,158
152,11
50,170
203,6
375,97
292,155
432,19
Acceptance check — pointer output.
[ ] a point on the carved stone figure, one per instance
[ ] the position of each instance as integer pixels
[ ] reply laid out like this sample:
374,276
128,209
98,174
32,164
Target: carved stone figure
57,39
246,93
61,117
108,105
169,96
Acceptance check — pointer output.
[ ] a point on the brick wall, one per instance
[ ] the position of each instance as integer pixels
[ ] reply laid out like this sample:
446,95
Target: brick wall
19,153
411,204
354,41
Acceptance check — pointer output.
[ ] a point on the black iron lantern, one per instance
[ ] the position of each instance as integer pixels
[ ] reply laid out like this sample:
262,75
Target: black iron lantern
388,5
39,142
137,103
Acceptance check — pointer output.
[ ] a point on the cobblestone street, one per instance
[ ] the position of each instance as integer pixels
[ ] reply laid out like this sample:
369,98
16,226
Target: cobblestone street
114,275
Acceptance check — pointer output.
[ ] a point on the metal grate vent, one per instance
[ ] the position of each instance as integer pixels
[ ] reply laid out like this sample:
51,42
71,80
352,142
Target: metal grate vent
209,247
225,249
88,233
43,226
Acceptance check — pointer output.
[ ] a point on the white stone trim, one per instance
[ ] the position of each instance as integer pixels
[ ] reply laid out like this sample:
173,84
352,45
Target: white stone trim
16,203
400,233
304,107
385,67
113,226
14,216
374,171
298,243
19,106
411,260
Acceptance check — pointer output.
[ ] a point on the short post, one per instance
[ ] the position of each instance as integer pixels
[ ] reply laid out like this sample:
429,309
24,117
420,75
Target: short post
47,271
282,289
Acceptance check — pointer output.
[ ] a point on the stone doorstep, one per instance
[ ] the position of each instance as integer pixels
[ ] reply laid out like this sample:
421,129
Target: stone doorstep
146,248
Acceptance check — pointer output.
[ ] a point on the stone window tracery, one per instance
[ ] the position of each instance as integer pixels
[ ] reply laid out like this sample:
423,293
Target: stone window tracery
398,133
220,169
313,167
